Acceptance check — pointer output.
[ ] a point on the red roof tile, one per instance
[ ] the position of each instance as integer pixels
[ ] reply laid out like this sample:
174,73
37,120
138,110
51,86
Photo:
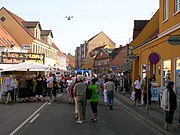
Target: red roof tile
6,39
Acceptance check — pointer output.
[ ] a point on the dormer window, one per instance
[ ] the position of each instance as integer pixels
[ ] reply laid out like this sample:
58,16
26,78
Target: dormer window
34,27
47,36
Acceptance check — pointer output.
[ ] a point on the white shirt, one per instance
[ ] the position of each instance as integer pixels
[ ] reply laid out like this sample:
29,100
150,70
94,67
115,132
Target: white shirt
69,82
137,84
50,80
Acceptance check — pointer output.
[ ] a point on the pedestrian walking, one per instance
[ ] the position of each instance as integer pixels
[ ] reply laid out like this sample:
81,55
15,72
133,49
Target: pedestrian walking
94,100
179,115
147,92
39,88
49,81
44,87
55,88
75,101
179,120
110,86
137,87
70,93
80,95
105,92
169,105
22,89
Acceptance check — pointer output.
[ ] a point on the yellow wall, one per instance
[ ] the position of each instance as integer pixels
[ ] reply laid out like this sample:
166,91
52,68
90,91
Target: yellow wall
173,18
159,45
166,51
149,29
89,63
100,40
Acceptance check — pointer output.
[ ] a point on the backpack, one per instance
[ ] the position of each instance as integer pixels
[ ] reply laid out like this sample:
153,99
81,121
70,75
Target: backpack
88,93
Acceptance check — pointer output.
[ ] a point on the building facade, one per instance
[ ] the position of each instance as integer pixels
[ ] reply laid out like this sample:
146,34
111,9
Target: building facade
157,46
86,48
30,34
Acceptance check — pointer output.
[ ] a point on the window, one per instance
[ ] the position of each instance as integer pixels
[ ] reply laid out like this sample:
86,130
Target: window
36,49
166,72
143,69
37,33
3,19
165,9
50,40
177,6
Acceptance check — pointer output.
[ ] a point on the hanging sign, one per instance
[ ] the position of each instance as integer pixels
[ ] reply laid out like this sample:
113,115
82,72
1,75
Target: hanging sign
154,58
174,40
131,57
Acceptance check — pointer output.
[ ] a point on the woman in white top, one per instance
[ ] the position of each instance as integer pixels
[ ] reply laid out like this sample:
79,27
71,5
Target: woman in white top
105,92
137,87
169,104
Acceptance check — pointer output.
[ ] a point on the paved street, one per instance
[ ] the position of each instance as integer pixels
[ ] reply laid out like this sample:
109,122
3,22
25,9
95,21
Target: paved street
12,115
58,118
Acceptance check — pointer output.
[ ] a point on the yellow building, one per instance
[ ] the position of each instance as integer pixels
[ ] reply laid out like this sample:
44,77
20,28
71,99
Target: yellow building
29,34
158,45
96,41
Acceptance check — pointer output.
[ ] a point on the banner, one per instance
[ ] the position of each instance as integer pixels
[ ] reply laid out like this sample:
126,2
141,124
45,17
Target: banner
154,91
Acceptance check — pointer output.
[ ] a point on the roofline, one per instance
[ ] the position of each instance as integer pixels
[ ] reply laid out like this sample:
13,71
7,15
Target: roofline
98,34
174,28
50,31
38,23
17,21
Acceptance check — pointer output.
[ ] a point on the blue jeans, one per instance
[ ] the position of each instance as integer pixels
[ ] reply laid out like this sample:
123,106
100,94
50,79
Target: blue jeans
110,98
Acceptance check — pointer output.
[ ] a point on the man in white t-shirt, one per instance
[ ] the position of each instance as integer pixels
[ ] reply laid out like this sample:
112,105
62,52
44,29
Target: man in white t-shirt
137,87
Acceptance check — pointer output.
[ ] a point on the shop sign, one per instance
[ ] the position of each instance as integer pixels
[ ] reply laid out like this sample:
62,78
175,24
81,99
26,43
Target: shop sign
131,57
16,57
147,68
154,58
26,47
174,40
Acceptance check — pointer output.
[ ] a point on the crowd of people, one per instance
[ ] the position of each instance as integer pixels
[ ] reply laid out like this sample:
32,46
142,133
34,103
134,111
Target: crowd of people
142,88
77,87
45,88
22,88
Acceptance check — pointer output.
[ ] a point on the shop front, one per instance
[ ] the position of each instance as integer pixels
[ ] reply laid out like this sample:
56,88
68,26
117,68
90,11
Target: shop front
177,78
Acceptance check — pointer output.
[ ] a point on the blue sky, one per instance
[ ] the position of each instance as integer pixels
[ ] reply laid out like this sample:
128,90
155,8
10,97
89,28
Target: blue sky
113,17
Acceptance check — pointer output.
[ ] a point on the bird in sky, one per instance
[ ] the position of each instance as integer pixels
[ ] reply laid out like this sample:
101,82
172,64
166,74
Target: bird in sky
69,17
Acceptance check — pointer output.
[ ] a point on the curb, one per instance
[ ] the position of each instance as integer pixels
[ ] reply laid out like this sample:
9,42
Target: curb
151,123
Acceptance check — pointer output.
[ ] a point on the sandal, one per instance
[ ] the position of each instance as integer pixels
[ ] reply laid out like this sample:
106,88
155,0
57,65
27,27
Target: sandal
166,127
93,120
171,129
